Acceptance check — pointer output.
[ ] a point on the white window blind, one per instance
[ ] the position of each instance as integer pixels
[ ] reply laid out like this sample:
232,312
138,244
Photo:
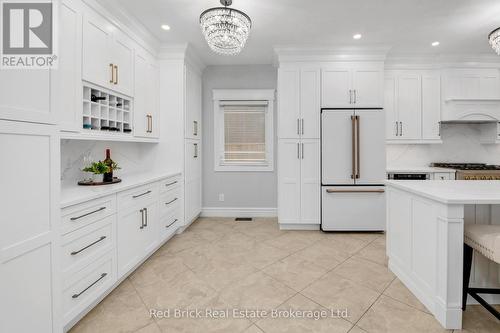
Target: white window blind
244,132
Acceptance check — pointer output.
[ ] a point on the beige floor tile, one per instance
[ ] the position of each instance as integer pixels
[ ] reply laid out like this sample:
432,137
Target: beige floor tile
151,328
343,245
477,320
356,329
203,325
324,322
257,291
235,242
221,273
366,236
121,311
398,291
296,272
336,293
390,316
293,241
375,251
253,329
322,255
181,242
157,268
262,255
260,231
367,273
179,293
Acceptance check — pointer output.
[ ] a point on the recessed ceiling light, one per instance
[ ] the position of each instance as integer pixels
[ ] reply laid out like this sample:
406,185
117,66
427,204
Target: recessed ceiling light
165,27
357,36
436,43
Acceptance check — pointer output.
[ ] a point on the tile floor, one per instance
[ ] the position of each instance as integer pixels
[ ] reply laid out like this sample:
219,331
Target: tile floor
221,264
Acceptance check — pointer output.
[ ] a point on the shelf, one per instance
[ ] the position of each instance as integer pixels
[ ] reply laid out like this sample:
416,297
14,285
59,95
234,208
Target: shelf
414,142
94,135
472,100
113,111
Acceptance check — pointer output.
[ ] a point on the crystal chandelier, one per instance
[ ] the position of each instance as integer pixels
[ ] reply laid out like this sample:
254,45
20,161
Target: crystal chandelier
225,29
494,38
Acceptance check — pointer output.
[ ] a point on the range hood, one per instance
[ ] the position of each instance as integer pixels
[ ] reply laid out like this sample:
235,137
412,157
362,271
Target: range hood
471,111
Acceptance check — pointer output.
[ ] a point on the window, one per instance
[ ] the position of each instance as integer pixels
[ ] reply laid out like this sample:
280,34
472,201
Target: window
243,130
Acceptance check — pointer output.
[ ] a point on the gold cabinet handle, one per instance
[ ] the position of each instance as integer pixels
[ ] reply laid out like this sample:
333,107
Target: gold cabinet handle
112,67
353,148
358,164
116,74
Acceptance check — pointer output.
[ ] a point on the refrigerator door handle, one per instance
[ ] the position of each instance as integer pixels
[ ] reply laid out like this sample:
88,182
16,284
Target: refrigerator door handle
353,143
350,96
358,164
298,150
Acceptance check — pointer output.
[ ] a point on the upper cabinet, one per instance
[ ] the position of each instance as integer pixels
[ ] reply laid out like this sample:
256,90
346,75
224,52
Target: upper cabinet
352,85
412,106
108,55
192,104
299,102
146,96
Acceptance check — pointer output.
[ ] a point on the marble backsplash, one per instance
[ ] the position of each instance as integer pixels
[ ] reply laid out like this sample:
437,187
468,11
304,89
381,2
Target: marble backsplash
133,158
461,143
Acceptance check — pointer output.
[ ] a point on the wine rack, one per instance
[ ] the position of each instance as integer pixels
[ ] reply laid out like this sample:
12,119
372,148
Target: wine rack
104,111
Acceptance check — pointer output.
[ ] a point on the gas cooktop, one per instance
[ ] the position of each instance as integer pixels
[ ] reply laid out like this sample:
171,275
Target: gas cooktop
466,166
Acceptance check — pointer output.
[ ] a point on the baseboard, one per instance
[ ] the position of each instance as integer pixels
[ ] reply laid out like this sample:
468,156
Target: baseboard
238,212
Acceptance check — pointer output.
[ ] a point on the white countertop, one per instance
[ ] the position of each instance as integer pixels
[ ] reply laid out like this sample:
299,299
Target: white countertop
452,191
417,169
72,195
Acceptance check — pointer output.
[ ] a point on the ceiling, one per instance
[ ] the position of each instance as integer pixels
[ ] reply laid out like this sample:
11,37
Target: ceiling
407,26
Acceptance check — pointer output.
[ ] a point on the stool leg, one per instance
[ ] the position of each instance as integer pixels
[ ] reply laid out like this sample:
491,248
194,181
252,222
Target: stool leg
466,275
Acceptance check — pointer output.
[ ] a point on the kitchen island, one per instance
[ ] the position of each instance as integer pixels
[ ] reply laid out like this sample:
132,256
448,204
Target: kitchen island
425,226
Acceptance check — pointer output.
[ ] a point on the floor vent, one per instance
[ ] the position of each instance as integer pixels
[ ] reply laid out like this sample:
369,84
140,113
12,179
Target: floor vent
243,219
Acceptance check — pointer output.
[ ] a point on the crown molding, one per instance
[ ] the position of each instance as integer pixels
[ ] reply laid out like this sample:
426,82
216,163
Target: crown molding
293,53
441,61
114,11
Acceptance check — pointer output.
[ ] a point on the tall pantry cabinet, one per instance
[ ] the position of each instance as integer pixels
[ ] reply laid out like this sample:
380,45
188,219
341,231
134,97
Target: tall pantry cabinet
299,146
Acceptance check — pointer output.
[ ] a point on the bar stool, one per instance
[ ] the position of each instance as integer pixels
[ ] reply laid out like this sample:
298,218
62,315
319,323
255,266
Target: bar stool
485,239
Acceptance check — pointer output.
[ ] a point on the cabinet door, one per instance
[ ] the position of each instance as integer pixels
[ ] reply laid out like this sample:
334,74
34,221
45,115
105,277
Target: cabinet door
192,200
141,96
67,95
338,147
192,158
409,104
192,178
310,109
150,232
122,58
370,155
289,181
130,239
336,87
431,106
368,87
97,40
391,114
310,182
153,99
193,104
288,103
29,240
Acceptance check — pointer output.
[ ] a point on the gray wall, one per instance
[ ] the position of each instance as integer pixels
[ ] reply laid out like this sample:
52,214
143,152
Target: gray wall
241,189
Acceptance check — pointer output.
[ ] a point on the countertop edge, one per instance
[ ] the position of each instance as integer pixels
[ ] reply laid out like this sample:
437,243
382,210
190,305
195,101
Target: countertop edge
113,189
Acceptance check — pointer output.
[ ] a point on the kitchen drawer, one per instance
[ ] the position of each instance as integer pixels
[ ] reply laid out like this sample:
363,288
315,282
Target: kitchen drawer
443,176
81,215
170,184
169,224
169,201
81,246
137,196
85,286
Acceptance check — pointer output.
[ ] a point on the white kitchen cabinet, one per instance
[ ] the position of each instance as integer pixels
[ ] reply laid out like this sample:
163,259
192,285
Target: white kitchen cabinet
471,84
192,104
192,179
299,102
348,85
299,182
29,241
412,106
108,54
146,96
67,79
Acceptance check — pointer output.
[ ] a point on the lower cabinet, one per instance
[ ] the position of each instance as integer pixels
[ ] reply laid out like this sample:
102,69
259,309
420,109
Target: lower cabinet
105,239
192,176
298,182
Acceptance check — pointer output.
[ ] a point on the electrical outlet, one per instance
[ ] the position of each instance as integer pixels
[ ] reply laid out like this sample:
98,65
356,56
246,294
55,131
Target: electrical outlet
221,196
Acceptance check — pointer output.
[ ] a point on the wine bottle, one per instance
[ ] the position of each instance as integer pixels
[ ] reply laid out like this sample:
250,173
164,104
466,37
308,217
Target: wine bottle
95,98
108,176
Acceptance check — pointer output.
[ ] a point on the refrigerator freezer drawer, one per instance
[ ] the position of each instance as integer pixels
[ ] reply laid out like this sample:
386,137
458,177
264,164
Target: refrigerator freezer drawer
353,208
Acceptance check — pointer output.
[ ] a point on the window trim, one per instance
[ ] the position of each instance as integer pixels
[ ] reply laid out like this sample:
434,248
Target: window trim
243,95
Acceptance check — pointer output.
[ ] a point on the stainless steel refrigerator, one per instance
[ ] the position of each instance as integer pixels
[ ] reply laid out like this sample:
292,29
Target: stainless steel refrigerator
353,163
